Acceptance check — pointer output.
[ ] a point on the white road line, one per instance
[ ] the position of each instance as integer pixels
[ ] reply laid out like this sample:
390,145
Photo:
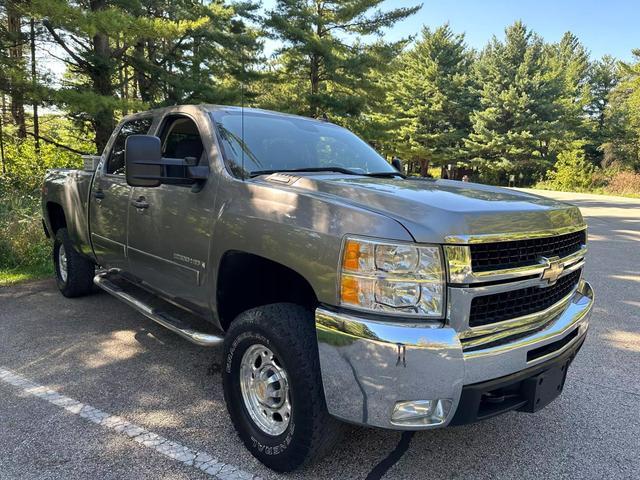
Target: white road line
193,458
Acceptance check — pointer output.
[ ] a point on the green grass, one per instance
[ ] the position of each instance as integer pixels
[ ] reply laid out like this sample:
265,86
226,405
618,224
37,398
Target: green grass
25,252
24,274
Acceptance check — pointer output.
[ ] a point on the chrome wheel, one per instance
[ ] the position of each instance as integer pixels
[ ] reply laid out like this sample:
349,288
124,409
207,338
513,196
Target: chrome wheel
265,390
62,263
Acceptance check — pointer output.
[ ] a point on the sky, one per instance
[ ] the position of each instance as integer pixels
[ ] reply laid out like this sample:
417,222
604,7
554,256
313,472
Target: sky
604,27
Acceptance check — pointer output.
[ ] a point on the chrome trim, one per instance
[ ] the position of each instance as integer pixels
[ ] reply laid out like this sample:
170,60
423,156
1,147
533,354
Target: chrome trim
495,362
507,237
460,310
367,366
460,271
264,385
62,264
199,338
487,334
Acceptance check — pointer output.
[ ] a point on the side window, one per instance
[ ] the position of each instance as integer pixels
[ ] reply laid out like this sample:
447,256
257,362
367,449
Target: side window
181,139
115,162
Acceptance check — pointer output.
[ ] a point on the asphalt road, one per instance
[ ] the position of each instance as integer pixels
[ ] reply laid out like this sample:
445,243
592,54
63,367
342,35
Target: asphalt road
98,351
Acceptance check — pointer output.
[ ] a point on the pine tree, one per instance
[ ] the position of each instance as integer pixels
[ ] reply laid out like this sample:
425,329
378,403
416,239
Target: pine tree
205,63
430,99
603,76
519,119
569,60
175,52
323,53
623,117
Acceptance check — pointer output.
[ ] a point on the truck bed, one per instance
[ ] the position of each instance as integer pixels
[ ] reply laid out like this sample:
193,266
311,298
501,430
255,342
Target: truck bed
68,189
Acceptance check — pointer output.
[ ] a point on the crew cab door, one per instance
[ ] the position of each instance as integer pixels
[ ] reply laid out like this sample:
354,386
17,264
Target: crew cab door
170,226
109,198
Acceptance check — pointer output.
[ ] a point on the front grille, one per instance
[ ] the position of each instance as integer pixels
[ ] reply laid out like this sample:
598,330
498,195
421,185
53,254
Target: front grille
501,255
487,309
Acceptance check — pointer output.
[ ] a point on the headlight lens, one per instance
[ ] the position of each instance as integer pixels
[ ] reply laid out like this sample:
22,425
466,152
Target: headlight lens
400,279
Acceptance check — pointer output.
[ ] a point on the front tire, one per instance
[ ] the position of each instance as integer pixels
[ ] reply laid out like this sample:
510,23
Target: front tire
74,272
273,388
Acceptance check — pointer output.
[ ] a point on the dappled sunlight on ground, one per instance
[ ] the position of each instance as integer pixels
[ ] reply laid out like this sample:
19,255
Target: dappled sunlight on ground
596,238
623,340
633,235
630,278
120,345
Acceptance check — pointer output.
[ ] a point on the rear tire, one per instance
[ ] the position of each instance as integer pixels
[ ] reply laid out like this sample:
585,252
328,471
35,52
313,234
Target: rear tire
277,343
74,272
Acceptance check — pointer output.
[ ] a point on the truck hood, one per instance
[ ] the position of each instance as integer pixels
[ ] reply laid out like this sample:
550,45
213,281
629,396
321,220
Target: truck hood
443,210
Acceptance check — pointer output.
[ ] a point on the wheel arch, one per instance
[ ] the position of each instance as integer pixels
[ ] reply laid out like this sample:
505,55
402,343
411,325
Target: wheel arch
56,218
247,280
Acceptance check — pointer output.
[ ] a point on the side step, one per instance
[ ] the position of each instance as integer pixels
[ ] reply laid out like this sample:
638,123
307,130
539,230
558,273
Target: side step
103,281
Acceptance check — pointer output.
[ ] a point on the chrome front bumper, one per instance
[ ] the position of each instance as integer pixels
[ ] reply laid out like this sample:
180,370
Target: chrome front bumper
368,365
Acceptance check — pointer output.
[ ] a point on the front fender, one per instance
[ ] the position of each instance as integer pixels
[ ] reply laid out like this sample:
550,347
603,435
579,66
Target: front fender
294,229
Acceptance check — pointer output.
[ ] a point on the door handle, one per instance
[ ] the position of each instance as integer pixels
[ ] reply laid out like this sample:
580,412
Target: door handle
99,194
140,203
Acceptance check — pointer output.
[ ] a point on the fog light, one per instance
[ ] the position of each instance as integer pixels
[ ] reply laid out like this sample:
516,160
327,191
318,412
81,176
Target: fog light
421,413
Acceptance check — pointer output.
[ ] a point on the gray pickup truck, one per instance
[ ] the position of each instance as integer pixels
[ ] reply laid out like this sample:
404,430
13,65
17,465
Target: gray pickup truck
340,290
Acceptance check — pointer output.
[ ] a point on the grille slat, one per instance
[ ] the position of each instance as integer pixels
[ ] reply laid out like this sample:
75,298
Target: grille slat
502,255
487,309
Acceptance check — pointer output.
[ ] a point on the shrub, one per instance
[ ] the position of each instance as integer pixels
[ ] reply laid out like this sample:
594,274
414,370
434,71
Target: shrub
624,183
572,172
24,250
23,245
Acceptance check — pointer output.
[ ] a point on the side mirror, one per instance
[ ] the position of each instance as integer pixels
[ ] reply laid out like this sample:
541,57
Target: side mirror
143,160
397,164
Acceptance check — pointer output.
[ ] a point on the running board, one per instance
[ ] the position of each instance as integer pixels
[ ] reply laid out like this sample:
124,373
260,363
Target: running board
175,325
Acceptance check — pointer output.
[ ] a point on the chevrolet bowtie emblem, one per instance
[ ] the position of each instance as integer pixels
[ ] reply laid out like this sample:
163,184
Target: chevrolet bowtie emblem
553,270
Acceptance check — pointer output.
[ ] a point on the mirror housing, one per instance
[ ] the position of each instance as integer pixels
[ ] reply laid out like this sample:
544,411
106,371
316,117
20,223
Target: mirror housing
143,160
145,166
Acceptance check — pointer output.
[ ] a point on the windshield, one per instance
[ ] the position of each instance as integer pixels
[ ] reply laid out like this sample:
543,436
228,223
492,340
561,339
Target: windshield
280,143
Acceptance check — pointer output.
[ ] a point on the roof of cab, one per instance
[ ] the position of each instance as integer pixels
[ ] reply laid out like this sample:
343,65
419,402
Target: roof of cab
212,107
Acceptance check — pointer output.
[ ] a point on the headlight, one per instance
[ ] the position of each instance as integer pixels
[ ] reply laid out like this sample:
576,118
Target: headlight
400,279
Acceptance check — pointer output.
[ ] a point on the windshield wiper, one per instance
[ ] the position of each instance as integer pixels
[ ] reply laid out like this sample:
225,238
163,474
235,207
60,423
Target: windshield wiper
256,173
385,174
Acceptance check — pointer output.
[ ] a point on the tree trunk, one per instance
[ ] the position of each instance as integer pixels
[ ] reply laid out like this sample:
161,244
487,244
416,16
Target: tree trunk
34,83
314,73
16,55
315,85
144,83
424,167
4,168
101,74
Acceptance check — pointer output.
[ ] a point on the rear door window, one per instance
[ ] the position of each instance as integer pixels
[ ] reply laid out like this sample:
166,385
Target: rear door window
181,139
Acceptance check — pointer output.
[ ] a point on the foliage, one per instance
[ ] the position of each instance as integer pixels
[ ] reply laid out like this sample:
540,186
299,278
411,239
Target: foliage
520,116
624,183
25,167
602,78
323,63
572,171
623,145
520,107
429,99
24,250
